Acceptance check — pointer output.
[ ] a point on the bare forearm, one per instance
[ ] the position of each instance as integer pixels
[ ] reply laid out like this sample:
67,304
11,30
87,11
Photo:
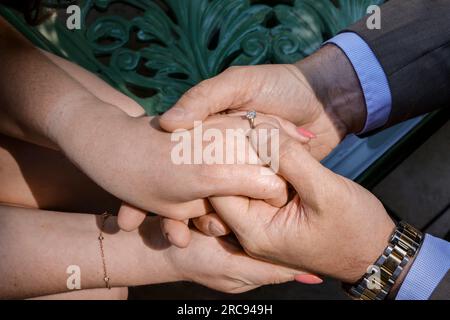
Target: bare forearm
37,247
35,92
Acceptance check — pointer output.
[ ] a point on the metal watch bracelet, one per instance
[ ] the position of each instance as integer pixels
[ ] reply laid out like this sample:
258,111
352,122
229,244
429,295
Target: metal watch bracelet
404,243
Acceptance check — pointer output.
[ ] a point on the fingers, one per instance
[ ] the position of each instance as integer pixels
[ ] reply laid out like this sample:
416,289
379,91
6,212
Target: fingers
211,225
179,234
264,273
198,103
247,180
294,161
176,232
130,218
302,135
234,211
186,210
254,181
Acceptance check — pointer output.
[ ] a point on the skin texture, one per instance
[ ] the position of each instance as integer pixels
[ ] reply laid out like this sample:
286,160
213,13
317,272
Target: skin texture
131,217
66,188
311,94
134,258
111,147
48,180
323,97
320,94
332,226
322,116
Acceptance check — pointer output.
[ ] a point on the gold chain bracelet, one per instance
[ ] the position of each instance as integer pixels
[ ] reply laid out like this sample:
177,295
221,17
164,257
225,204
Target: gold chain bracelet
105,217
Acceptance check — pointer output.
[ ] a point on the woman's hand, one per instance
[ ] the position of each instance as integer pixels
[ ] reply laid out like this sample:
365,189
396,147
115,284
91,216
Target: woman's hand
332,226
320,94
126,156
177,230
135,161
69,241
215,263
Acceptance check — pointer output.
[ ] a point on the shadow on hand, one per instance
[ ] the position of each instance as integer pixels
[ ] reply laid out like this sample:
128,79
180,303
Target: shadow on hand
153,237
151,234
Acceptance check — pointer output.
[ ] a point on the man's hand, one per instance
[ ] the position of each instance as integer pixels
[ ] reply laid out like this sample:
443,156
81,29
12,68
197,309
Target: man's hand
177,230
321,94
332,226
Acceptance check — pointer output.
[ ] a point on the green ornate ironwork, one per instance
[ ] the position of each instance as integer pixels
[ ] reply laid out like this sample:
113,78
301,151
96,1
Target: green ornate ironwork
189,41
163,48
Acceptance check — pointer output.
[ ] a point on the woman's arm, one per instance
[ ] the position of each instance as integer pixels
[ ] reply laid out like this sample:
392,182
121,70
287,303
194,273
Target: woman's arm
99,88
37,247
35,92
36,177
128,157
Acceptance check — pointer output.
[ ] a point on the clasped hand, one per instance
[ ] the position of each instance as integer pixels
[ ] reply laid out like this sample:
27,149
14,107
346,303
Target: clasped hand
330,226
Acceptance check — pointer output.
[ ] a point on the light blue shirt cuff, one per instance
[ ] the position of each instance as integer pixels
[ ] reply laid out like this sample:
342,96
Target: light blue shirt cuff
372,77
431,265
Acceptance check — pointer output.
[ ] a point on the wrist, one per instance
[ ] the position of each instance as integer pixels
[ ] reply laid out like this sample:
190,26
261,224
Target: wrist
337,87
372,250
142,260
78,120
159,268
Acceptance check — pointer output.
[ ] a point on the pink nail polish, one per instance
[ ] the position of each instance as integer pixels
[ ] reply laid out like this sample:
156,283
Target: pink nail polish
306,133
308,279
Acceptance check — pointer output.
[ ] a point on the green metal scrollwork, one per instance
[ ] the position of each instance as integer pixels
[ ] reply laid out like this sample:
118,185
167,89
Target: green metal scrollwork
197,41
165,47
303,27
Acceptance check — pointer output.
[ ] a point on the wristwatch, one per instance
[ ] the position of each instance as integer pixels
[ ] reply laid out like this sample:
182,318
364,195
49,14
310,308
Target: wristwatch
403,245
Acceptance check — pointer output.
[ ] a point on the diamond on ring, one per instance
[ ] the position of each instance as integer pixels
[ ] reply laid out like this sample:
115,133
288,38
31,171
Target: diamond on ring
251,116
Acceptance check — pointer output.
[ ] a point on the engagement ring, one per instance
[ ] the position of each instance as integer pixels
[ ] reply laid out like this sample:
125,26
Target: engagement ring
251,116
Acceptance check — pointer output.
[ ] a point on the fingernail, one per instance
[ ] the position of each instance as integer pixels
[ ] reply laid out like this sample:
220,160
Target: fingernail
215,230
306,133
174,114
308,279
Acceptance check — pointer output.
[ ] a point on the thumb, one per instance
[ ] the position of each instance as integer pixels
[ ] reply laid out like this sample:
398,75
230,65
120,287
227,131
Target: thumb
211,225
290,159
234,212
130,218
176,232
207,98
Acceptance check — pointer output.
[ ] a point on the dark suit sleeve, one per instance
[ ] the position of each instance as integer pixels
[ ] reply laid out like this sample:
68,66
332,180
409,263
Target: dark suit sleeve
413,47
442,292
